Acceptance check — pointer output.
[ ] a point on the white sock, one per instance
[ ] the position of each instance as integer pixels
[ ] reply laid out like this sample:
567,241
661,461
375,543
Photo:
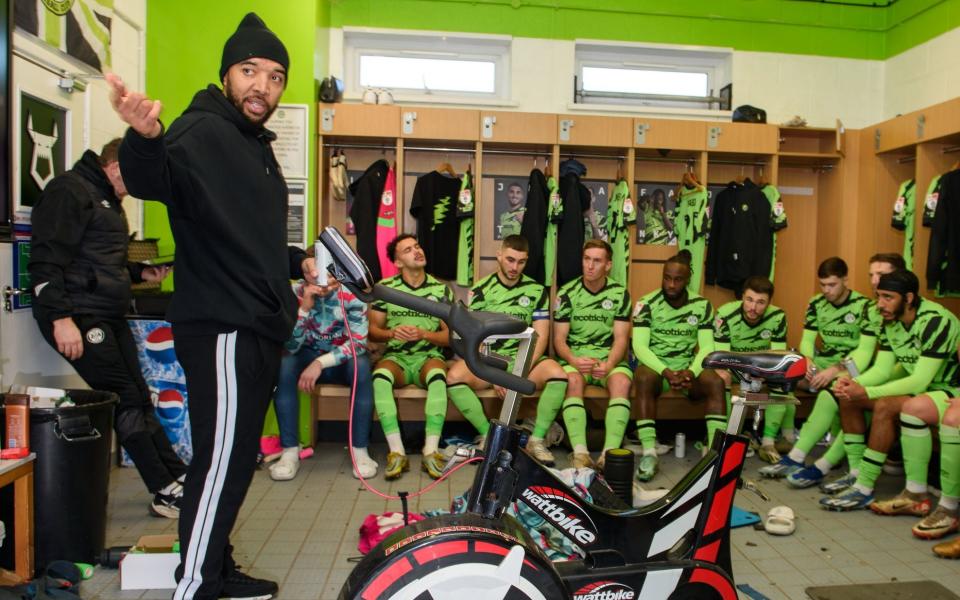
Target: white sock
292,451
361,456
534,439
767,441
855,473
395,443
650,452
431,444
823,465
866,491
915,487
172,489
580,449
949,503
797,455
790,435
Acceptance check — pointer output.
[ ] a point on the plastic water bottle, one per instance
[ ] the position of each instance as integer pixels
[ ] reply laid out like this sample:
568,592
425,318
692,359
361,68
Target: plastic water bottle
680,445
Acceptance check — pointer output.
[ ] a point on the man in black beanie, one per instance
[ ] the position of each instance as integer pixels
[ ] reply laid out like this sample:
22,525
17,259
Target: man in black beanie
233,307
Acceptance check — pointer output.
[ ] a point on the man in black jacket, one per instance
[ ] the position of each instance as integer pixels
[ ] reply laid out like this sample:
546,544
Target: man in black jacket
233,307
81,291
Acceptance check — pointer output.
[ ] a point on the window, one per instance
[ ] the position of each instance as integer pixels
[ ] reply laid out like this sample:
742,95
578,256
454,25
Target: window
421,64
650,75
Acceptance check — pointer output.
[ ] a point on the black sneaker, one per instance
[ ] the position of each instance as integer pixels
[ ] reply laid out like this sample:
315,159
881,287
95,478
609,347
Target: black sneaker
166,505
243,587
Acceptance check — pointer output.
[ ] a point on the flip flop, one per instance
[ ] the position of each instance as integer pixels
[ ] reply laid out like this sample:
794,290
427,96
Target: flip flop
780,520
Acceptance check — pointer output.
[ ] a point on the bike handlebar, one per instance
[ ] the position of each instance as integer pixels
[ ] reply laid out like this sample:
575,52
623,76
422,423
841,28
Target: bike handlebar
471,327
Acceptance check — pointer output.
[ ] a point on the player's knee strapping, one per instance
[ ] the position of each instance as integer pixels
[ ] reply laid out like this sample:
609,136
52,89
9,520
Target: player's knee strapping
551,399
618,414
384,401
435,411
950,461
466,401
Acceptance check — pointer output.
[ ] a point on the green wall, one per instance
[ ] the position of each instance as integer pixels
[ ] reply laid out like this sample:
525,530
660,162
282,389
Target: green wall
788,26
184,43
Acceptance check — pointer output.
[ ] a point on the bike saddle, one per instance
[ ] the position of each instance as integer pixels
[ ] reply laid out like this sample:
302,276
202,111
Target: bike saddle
780,370
472,327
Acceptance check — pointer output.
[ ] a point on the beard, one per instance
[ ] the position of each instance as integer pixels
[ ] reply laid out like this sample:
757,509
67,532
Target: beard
237,102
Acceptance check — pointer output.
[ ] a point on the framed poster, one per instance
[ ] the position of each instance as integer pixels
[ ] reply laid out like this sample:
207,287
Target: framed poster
595,220
290,123
41,142
509,205
297,212
80,29
656,210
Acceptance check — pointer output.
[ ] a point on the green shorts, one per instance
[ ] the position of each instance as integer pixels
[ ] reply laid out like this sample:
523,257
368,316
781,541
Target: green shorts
411,365
591,380
941,398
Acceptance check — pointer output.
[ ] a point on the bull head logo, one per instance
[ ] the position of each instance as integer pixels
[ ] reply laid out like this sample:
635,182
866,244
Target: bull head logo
42,151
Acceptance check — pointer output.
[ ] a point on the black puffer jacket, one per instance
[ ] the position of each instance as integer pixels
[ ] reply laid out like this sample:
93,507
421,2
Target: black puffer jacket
78,260
227,203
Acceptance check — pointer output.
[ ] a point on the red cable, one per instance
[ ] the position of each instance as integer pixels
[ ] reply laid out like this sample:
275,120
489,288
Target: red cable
353,396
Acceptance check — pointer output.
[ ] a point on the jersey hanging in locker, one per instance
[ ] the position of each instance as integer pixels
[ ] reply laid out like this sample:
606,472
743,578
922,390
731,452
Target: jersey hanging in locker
465,214
778,220
387,223
438,231
620,215
691,226
903,211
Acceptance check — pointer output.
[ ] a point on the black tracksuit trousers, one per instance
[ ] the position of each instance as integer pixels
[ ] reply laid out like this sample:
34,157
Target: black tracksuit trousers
109,363
230,378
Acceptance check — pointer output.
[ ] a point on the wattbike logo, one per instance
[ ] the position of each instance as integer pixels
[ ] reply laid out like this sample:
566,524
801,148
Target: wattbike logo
562,510
605,590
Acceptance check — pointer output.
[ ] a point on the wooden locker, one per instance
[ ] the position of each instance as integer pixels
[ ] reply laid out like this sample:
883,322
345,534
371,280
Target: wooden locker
417,122
586,130
361,120
669,134
751,138
518,127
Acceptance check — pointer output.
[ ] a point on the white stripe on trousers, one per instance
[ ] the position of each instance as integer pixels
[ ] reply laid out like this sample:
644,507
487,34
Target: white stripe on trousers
217,472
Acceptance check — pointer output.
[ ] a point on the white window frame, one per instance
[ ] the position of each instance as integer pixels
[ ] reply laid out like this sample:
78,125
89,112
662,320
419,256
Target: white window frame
716,63
358,42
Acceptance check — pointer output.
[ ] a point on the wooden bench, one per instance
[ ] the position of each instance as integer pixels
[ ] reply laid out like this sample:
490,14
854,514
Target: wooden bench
332,403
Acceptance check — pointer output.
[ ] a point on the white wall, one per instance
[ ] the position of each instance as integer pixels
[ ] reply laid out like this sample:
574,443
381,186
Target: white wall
848,89
923,75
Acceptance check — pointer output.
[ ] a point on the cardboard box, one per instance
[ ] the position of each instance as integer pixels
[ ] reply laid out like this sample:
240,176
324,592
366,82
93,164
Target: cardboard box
150,565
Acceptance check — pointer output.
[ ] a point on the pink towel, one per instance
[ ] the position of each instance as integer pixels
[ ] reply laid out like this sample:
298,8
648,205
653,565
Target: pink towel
376,528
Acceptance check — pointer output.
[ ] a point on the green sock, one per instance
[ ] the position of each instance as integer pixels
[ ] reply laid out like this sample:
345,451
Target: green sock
647,433
917,446
836,451
870,467
618,413
435,410
818,423
469,405
728,398
789,422
384,401
551,399
854,445
715,423
949,460
575,418
772,418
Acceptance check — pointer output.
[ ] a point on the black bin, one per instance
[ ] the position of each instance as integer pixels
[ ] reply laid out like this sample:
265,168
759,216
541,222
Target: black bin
71,477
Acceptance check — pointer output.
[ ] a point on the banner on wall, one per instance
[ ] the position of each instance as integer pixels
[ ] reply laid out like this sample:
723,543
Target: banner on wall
79,28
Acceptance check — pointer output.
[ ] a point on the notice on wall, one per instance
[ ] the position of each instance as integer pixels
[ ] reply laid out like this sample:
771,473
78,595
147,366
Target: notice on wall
290,122
297,212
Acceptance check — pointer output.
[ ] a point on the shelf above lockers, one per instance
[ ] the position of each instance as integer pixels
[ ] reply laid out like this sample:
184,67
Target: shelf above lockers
518,127
360,120
741,137
417,122
672,135
594,131
816,147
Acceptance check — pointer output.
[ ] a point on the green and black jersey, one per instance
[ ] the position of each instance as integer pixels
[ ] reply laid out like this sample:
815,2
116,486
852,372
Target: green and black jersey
733,332
778,220
620,215
930,201
934,333
511,222
691,227
591,315
527,300
397,315
674,332
839,327
903,211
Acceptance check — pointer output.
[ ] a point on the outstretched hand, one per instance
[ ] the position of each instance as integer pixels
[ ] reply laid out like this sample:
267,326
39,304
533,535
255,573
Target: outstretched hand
134,108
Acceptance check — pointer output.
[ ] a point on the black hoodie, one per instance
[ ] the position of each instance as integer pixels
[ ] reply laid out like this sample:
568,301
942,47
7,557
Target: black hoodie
78,259
227,203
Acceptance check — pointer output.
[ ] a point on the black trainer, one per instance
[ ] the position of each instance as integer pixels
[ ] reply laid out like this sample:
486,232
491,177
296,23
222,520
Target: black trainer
243,587
166,505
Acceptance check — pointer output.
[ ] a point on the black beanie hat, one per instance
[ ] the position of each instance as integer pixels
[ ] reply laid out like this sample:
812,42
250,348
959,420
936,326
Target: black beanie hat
901,281
252,39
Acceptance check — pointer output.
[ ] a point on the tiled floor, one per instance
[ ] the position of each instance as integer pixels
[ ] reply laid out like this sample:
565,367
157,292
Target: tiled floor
301,533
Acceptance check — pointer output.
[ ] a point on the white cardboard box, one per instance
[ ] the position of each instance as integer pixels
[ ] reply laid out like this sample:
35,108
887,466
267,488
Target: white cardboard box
152,568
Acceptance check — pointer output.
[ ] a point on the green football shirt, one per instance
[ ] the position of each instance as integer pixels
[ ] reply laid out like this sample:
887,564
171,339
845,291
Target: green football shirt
620,215
691,227
930,201
554,217
934,333
778,220
591,315
431,288
465,213
733,332
673,331
903,211
511,222
527,300
839,327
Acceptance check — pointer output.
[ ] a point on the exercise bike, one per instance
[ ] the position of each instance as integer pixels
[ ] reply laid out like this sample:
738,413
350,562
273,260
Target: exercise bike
676,548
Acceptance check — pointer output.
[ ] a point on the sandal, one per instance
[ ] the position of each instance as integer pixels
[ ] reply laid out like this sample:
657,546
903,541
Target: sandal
780,520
